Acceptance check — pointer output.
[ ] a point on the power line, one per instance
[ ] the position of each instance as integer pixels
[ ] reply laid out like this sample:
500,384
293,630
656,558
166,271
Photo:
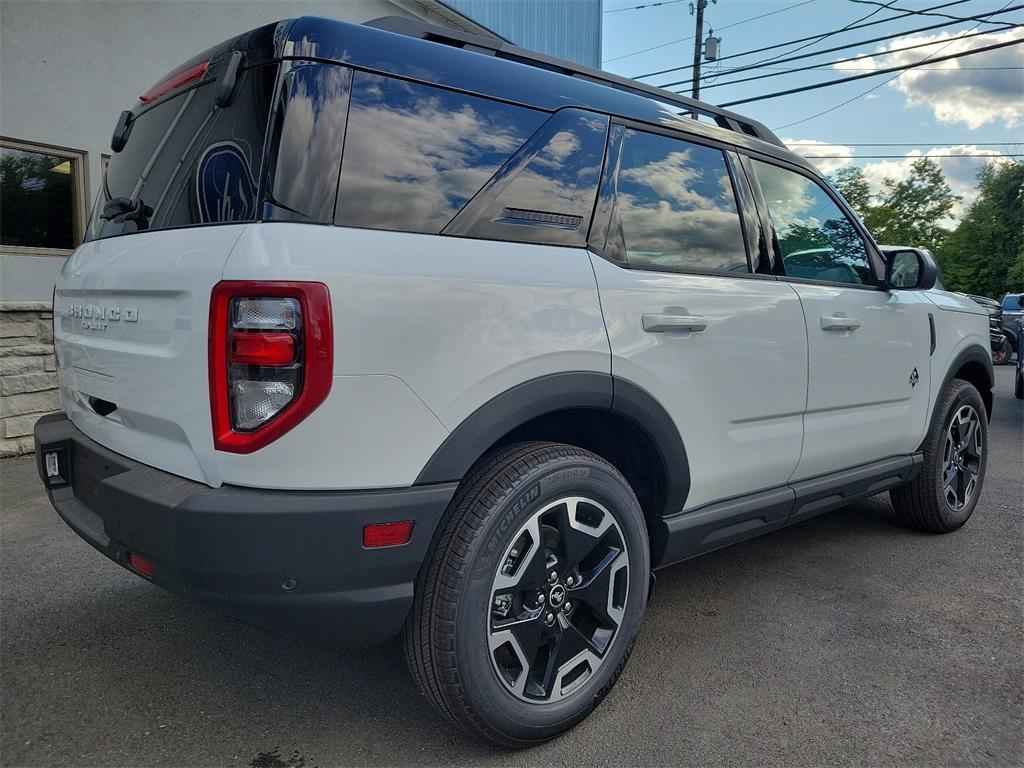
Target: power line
726,26
885,71
979,18
852,25
785,70
906,157
639,7
873,88
788,42
906,144
852,58
918,13
883,38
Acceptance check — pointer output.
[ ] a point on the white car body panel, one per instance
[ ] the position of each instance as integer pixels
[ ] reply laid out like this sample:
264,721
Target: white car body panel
735,391
155,367
861,405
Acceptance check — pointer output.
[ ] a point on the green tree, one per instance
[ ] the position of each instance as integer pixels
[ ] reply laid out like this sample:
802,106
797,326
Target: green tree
913,211
854,187
984,255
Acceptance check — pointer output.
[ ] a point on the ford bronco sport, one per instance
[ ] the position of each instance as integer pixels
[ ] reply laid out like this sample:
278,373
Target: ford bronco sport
387,329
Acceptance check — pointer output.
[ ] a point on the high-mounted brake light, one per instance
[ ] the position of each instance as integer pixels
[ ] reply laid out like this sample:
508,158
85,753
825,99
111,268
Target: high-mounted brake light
271,359
174,82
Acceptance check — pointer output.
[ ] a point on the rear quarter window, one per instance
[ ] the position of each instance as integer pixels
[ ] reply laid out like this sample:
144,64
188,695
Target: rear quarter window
415,154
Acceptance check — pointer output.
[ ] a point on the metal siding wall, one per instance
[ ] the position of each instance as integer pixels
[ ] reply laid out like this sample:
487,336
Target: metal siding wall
569,29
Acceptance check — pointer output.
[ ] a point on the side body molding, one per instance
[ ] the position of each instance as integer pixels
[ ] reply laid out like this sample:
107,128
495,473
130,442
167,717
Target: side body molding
563,392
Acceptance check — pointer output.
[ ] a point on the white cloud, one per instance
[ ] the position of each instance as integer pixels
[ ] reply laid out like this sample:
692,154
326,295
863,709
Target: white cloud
972,97
960,171
840,155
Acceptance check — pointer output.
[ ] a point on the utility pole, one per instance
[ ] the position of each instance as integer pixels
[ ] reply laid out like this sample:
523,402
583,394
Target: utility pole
698,45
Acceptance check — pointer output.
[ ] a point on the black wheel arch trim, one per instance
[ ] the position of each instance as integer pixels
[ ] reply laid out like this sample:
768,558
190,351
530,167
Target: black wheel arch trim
975,353
550,394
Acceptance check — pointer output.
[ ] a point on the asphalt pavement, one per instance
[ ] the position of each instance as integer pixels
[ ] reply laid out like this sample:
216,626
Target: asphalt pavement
846,640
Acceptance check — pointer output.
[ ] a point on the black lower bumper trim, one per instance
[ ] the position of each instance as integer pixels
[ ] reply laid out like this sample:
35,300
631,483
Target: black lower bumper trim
288,560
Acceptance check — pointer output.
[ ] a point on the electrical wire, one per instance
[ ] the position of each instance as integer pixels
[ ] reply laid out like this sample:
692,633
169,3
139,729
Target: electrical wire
785,44
887,70
640,7
906,144
869,90
862,57
979,18
1004,24
906,157
726,26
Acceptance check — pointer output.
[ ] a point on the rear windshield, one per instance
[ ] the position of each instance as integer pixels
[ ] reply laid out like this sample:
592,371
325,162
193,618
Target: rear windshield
1011,301
188,162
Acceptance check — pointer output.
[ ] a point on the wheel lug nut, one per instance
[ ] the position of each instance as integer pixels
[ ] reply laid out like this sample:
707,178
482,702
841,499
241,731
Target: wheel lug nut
567,607
541,598
552,577
549,619
570,581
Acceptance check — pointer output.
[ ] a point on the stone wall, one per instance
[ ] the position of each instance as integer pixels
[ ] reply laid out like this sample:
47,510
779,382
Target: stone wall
28,378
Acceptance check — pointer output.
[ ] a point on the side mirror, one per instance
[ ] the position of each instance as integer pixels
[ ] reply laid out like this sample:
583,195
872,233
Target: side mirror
1020,300
910,269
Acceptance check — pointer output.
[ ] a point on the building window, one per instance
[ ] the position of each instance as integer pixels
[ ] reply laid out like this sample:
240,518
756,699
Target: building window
43,198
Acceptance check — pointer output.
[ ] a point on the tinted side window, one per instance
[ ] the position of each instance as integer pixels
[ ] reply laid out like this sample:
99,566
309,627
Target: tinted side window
415,154
813,237
309,133
675,206
545,192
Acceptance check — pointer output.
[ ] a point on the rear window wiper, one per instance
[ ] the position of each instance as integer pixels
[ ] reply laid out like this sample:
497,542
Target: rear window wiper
122,209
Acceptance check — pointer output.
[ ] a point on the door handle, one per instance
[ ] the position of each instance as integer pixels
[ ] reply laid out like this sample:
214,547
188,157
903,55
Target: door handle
839,323
659,323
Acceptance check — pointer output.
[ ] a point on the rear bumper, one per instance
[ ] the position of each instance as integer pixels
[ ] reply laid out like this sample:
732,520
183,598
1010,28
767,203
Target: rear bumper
284,560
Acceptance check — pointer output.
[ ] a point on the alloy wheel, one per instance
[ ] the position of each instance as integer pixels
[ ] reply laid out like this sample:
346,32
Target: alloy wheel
961,458
557,600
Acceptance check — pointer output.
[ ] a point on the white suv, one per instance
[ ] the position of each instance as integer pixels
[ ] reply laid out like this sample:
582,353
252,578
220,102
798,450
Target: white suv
385,329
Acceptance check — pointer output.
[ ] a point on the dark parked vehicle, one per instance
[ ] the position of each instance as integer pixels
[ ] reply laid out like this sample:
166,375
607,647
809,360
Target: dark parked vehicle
1002,335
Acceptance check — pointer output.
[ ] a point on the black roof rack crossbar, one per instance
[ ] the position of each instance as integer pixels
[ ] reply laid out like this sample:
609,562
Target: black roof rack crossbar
495,47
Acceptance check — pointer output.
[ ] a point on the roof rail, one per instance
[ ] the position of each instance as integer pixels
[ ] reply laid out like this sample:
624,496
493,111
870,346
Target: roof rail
490,46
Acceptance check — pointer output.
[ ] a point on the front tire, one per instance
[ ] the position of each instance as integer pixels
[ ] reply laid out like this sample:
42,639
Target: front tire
945,493
1003,355
528,608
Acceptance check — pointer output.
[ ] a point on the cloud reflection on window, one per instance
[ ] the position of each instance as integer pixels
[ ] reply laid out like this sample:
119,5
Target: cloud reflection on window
415,154
315,103
676,205
815,239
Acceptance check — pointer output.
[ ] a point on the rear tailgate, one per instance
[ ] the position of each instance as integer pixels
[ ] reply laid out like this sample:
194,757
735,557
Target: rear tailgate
131,317
132,306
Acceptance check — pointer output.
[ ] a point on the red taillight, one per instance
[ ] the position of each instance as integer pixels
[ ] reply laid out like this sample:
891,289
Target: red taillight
140,565
271,359
258,348
387,534
174,82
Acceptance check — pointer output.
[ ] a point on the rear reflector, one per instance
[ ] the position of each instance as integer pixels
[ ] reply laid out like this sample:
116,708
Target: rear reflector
140,565
387,534
174,82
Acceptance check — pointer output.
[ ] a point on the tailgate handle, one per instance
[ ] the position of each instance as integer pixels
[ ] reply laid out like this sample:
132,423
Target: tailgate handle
101,406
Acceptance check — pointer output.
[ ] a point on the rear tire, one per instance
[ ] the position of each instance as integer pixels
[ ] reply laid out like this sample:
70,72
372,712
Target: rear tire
945,492
1018,385
510,661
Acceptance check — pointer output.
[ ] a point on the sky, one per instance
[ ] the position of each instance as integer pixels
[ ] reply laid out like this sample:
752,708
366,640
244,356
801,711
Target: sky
970,107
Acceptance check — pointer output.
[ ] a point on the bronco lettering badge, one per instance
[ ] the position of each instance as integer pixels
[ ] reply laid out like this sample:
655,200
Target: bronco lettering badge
96,318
